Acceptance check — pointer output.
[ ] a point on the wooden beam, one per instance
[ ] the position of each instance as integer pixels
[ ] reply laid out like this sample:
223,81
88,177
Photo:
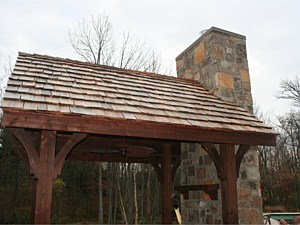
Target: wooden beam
228,184
239,155
167,185
210,189
131,128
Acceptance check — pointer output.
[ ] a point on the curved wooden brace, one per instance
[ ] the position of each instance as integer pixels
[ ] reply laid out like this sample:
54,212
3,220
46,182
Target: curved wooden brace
23,156
214,155
239,155
33,157
68,146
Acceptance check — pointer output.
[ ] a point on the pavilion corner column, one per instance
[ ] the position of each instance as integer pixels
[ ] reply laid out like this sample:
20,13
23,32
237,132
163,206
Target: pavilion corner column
228,184
45,176
166,185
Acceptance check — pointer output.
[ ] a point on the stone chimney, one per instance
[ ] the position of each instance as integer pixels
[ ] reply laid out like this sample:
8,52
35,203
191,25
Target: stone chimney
218,60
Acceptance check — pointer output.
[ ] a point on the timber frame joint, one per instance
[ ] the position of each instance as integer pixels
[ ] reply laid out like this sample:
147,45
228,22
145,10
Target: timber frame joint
211,150
34,161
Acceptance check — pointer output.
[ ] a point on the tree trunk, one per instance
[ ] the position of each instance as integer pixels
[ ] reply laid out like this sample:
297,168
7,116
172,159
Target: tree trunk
100,193
136,213
155,212
142,192
115,206
127,193
148,201
110,192
122,207
116,173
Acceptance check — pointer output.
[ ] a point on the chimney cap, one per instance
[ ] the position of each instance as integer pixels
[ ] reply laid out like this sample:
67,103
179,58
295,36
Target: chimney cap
202,34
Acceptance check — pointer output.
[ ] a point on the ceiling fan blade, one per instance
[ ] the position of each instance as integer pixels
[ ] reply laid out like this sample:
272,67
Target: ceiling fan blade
105,150
139,151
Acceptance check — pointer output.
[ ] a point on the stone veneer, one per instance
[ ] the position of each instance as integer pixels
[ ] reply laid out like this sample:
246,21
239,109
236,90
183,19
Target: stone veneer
218,60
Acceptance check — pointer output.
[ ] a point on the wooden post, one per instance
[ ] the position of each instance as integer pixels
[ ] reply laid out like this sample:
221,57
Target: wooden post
228,184
32,215
45,178
166,186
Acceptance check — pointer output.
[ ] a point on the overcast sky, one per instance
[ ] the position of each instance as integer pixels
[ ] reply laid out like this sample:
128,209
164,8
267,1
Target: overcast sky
272,29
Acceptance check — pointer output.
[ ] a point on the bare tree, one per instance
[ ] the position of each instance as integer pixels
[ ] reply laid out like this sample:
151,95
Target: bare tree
122,204
136,208
100,212
290,89
289,141
93,41
7,69
280,165
136,55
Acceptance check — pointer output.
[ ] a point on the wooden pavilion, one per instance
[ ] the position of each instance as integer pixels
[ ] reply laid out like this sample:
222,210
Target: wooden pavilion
61,109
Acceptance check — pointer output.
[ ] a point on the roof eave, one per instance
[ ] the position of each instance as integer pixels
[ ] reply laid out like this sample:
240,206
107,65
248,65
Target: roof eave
132,128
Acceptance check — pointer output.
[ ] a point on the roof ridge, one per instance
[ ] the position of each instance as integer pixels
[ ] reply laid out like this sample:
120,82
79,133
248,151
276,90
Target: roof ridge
136,72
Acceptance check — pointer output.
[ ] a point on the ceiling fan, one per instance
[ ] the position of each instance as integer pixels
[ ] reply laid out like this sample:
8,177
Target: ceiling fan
127,150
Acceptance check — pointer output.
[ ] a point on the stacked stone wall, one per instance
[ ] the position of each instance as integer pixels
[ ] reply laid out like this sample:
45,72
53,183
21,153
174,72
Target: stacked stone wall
198,168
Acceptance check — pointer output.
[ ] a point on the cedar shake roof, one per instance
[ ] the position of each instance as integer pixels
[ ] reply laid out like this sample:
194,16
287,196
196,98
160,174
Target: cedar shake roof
52,85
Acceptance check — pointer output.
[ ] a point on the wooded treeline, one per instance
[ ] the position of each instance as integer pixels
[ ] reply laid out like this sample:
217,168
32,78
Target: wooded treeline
280,167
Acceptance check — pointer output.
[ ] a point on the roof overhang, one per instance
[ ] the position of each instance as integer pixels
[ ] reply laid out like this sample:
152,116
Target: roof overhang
132,128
